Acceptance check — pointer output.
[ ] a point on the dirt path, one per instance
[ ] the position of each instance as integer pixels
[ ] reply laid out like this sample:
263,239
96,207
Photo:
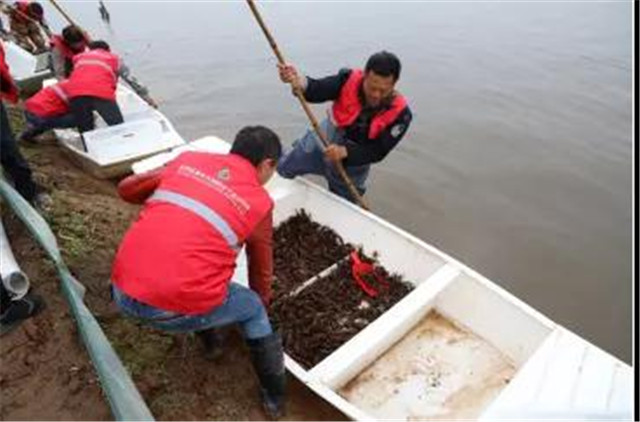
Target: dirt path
45,372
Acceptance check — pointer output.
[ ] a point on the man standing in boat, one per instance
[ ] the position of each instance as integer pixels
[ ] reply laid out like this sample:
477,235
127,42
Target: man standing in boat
64,48
174,267
367,120
93,83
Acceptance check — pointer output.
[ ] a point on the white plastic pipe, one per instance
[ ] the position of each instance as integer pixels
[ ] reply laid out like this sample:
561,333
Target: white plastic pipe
14,280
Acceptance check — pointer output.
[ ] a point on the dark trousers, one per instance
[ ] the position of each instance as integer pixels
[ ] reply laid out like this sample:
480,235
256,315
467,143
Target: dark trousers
83,107
12,160
5,299
37,125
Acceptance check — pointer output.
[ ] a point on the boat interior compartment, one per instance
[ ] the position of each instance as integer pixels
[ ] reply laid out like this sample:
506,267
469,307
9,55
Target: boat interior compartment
445,353
398,254
446,350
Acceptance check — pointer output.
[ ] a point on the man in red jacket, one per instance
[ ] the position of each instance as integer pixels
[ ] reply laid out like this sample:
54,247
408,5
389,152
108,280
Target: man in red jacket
174,266
48,109
12,160
92,86
64,48
93,83
368,118
14,310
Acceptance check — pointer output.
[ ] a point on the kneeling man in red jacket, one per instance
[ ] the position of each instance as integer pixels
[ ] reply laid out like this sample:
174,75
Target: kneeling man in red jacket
174,266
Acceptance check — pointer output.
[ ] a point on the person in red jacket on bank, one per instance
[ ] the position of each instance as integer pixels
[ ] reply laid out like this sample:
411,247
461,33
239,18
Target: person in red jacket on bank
174,266
93,83
366,121
47,109
13,309
13,163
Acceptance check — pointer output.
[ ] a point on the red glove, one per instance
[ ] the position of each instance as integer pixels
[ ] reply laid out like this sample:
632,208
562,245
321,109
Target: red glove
138,187
260,258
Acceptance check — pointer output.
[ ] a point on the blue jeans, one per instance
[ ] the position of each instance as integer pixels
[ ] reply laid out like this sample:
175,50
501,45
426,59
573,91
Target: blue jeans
306,157
242,306
37,125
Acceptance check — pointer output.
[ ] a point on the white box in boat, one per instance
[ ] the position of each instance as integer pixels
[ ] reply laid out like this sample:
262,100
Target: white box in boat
110,150
128,140
28,70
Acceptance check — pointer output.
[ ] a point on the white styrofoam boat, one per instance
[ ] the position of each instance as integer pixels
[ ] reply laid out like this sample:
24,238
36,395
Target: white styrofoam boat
27,70
457,347
108,151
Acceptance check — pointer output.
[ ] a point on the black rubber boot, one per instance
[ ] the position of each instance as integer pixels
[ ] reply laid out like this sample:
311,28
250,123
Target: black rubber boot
15,312
211,341
267,357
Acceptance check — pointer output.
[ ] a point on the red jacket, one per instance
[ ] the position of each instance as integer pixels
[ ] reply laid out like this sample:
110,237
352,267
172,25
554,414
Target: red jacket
57,42
347,107
95,74
180,253
8,88
22,6
50,101
21,12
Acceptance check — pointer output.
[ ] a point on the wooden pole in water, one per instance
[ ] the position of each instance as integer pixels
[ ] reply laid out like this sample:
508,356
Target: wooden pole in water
69,20
305,106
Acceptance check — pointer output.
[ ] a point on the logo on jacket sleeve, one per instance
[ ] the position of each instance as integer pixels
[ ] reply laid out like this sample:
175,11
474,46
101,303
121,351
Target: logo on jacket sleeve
397,130
223,174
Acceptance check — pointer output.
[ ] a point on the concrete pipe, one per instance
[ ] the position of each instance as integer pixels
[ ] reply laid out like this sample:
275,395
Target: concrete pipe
14,280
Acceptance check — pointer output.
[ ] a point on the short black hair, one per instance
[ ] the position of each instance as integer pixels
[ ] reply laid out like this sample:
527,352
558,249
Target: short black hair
99,44
72,34
384,64
257,143
35,9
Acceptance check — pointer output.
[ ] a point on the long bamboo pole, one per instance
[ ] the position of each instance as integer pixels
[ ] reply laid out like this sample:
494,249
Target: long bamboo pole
69,20
63,13
305,106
